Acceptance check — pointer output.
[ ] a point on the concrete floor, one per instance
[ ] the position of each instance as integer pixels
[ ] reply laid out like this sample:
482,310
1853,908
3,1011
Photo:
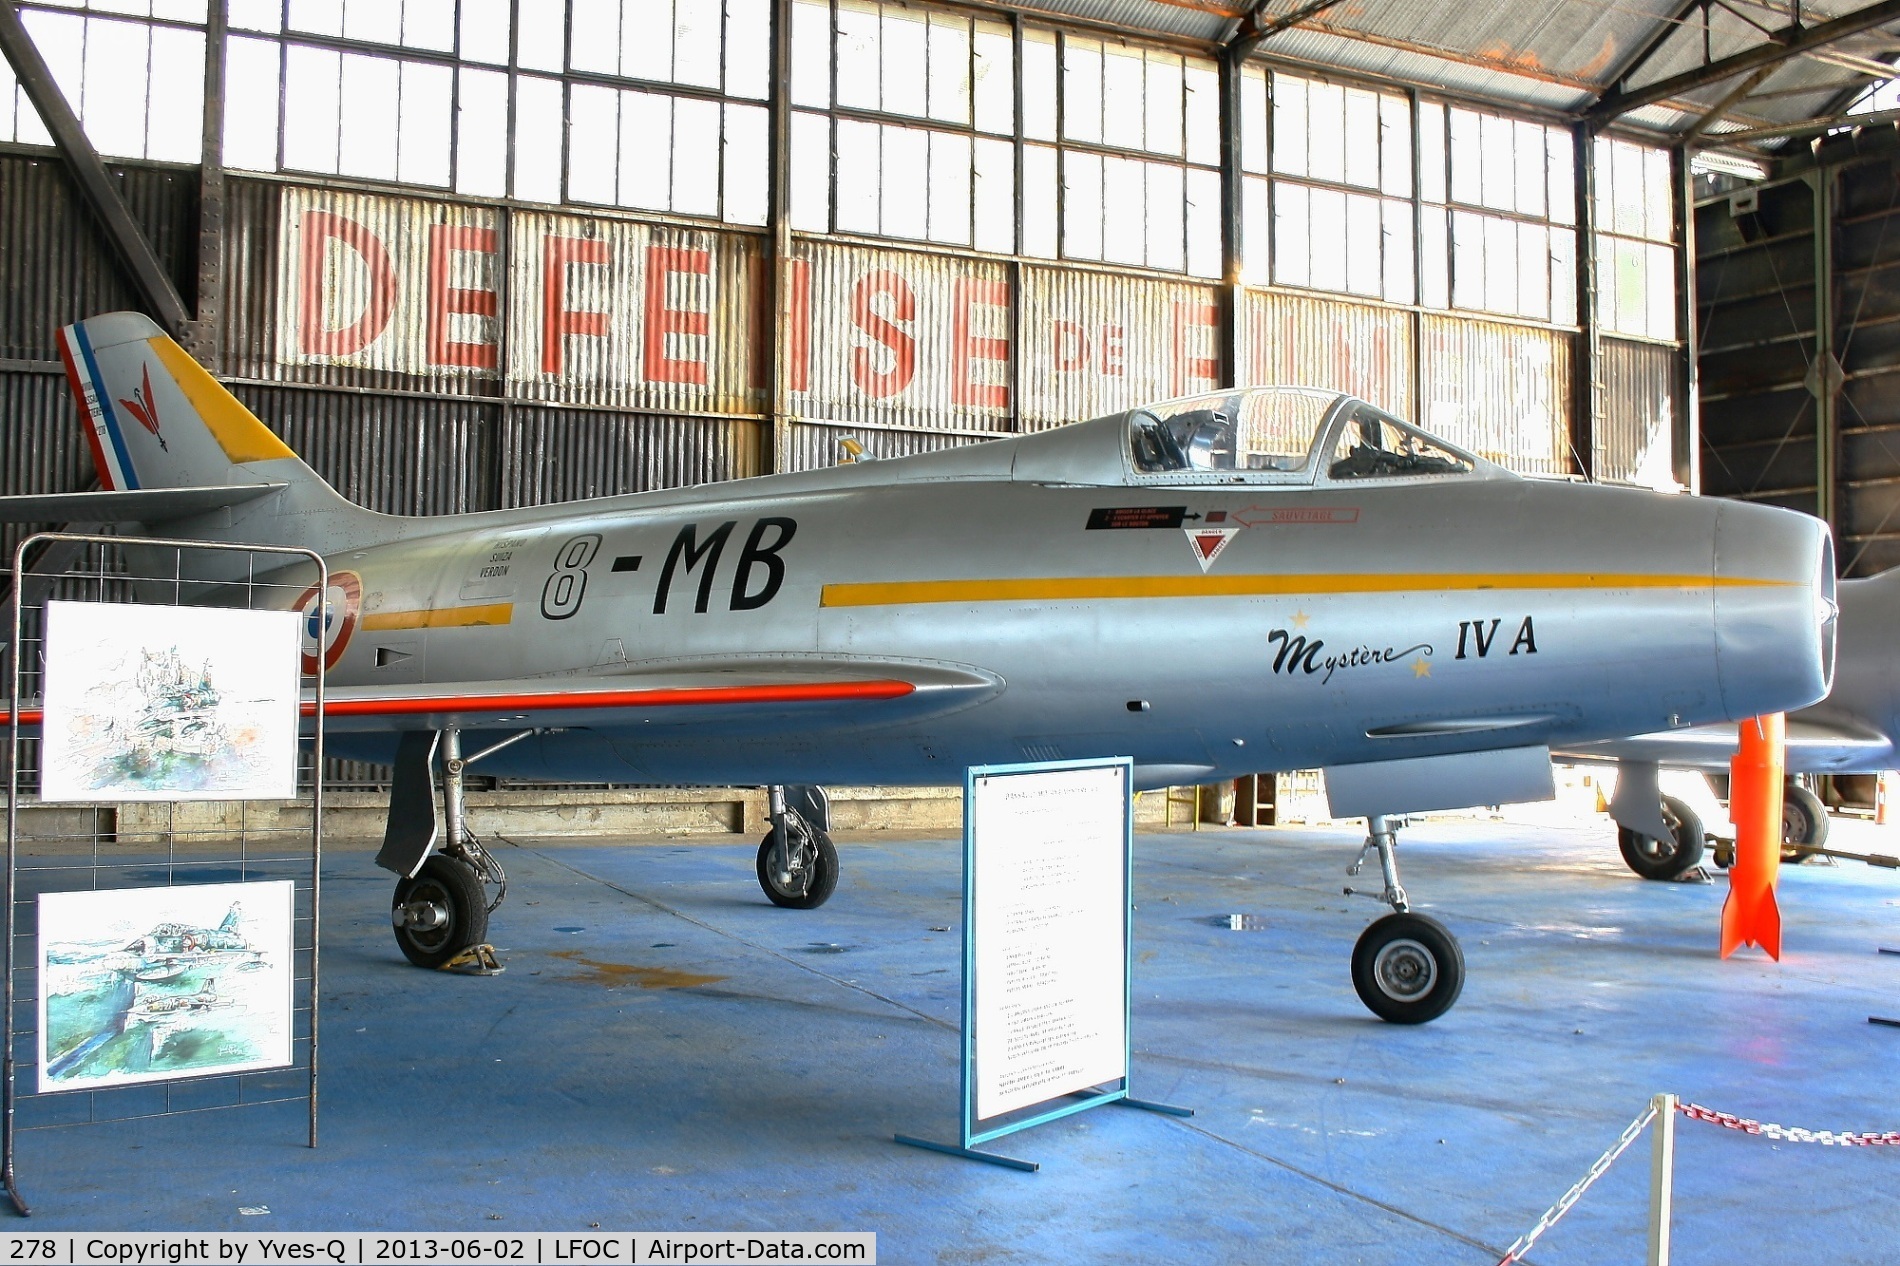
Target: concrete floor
667,1051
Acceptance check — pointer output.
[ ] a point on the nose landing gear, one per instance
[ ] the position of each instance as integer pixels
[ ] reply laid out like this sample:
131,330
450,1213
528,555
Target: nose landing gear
1406,967
797,863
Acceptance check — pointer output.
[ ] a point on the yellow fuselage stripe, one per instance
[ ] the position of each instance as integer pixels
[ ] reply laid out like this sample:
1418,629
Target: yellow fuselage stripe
441,618
1085,588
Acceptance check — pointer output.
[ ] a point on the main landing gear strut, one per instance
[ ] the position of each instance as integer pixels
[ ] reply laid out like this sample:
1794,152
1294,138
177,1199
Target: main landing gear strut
1406,967
441,905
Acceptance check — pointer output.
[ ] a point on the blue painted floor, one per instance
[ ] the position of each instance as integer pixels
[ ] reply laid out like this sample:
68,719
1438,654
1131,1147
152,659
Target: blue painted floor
667,1051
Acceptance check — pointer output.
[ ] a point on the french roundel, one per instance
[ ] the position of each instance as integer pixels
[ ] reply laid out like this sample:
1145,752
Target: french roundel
333,633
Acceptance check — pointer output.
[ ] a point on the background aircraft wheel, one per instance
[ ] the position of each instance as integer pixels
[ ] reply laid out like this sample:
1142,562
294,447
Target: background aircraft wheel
1408,968
440,912
1803,820
1665,859
821,859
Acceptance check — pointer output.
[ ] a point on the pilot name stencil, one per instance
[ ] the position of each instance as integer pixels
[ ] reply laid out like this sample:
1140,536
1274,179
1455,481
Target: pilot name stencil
1474,635
1299,655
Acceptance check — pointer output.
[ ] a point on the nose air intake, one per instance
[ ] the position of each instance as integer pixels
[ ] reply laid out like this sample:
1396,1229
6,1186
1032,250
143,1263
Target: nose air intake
1774,609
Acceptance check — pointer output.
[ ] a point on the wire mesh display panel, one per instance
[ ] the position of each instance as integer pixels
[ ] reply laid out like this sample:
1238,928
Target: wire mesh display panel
161,935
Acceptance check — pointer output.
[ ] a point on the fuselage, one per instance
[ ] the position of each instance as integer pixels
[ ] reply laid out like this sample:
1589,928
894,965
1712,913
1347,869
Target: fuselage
1203,626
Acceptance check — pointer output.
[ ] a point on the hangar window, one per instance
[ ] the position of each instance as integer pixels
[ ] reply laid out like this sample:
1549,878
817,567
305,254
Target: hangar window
652,104
903,124
1497,215
1636,261
906,125
134,78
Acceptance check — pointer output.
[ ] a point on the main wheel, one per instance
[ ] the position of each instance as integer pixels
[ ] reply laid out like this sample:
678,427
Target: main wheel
1408,968
440,912
1665,859
817,868
1803,821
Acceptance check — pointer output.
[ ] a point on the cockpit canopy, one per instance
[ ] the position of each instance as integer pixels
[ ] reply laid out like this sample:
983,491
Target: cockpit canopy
1295,433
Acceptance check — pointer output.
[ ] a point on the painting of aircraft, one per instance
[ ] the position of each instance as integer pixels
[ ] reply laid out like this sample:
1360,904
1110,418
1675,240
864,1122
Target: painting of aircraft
1852,731
1260,578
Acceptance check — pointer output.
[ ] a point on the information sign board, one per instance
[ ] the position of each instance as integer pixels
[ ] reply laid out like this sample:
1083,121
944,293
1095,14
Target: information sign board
1047,934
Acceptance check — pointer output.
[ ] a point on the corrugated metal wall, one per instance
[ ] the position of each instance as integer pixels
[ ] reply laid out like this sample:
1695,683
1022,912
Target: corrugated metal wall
816,445
1502,391
394,454
1366,350
55,266
567,454
54,263
1098,342
1640,399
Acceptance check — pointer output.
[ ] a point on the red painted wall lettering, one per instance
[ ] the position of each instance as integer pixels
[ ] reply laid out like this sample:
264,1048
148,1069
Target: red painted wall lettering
320,228
662,319
881,384
445,242
1195,327
557,319
966,348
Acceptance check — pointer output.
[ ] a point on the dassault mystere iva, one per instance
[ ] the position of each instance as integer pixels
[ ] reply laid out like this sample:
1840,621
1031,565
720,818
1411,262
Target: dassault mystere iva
1249,580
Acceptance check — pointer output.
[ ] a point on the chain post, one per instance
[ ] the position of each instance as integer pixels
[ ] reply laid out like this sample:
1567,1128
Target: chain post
1662,1177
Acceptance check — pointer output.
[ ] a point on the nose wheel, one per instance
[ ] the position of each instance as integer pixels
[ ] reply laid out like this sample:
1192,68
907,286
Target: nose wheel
1406,967
797,863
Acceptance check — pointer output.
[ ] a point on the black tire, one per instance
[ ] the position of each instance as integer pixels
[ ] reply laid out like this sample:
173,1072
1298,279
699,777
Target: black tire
457,890
1408,969
1803,821
1665,859
821,861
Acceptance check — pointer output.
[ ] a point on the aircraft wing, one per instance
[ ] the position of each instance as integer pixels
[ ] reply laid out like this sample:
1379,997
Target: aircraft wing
739,697
1815,746
139,505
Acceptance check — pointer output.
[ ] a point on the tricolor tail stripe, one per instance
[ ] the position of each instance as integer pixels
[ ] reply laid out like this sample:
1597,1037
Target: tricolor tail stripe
102,427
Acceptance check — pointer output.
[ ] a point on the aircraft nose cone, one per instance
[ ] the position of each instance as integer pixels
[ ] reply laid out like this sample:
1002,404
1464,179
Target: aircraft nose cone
1774,609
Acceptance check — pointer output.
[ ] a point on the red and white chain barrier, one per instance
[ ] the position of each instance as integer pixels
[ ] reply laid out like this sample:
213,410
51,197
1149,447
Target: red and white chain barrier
1516,1252
1789,1133
1663,1162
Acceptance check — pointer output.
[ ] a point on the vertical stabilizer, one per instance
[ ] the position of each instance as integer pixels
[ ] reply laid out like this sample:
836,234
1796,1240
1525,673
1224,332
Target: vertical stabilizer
154,418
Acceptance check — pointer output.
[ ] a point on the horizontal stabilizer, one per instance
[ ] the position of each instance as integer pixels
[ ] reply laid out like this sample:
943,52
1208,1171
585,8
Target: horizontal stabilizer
141,505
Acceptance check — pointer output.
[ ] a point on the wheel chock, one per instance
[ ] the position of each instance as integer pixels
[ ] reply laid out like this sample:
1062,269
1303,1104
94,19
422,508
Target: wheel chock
476,960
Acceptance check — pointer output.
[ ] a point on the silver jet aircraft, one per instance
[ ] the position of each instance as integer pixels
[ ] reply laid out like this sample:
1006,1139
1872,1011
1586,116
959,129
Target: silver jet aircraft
1248,580
1852,731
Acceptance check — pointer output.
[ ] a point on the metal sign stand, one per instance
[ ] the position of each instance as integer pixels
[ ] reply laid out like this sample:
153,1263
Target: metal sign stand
82,848
1063,1102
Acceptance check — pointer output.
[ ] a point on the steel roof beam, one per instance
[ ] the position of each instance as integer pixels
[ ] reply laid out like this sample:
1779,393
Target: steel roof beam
1729,99
1255,29
1789,42
96,186
1649,47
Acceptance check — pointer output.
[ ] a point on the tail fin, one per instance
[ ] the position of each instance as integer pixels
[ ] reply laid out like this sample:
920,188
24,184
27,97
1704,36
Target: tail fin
155,419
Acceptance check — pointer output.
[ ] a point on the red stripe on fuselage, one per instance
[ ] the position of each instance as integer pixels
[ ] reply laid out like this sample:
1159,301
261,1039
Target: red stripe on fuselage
557,700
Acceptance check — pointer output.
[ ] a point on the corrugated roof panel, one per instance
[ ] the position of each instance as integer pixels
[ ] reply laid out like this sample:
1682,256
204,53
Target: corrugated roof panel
1195,20
1320,50
1572,40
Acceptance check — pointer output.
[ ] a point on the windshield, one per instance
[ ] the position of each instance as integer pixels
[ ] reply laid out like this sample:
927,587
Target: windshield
1375,446
1281,430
